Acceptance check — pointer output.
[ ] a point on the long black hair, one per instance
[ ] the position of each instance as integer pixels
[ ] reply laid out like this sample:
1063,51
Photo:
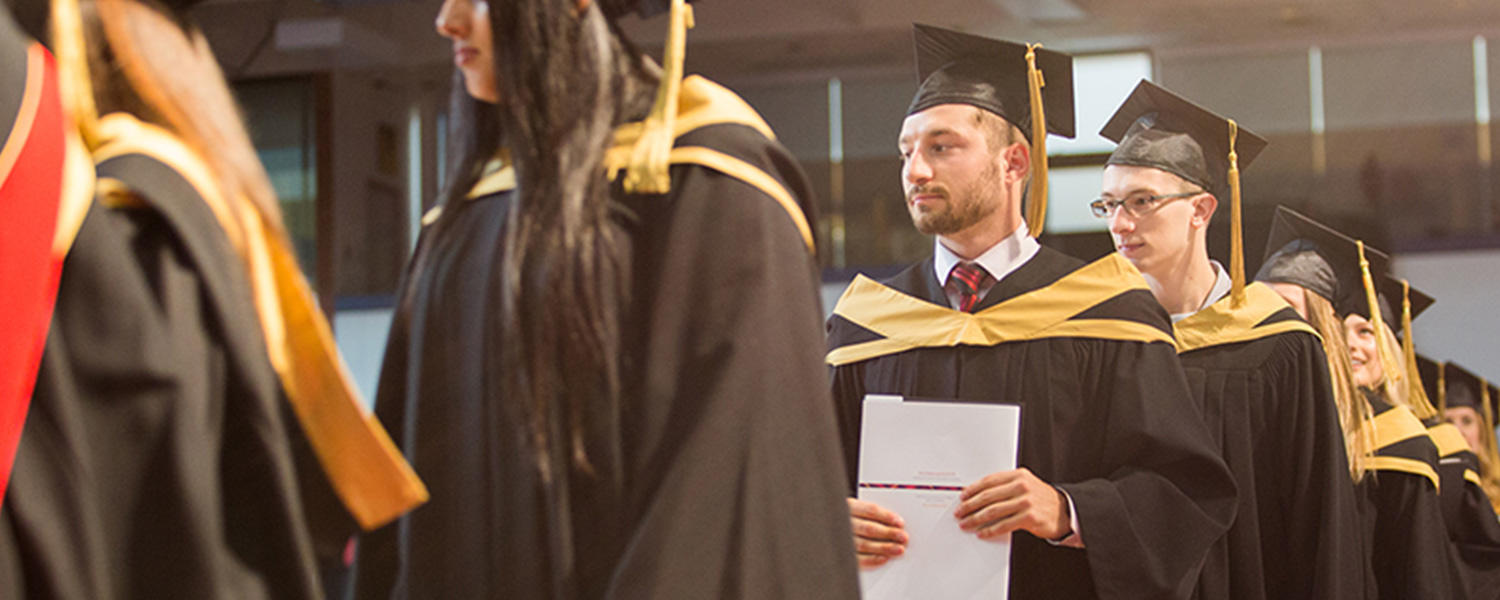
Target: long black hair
145,59
473,140
566,79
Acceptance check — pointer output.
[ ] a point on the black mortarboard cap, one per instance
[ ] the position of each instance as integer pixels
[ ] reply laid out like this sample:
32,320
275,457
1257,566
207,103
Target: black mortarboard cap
958,68
1494,402
1158,129
1388,292
1463,388
1305,252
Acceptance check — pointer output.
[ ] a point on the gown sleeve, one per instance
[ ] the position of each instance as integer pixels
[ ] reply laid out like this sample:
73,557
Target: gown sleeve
1167,495
847,386
1411,554
733,456
156,443
1323,558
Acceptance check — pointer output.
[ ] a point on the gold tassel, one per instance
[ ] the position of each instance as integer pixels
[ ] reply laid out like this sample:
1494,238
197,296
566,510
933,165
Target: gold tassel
647,172
1489,413
1408,344
1036,209
1407,347
1416,394
1442,387
74,83
1236,234
1382,348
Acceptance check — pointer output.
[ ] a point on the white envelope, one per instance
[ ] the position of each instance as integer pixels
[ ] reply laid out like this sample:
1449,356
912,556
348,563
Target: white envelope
914,458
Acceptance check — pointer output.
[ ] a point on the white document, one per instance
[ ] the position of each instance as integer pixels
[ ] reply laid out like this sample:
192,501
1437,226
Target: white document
914,459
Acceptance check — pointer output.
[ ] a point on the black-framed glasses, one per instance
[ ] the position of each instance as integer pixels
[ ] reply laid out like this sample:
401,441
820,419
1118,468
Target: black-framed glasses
1135,205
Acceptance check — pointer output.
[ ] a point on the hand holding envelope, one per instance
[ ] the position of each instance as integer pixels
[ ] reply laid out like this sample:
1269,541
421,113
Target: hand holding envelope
999,504
915,458
879,534
1015,500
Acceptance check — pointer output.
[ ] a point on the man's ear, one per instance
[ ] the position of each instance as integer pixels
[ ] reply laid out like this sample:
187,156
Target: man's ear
1016,162
1204,206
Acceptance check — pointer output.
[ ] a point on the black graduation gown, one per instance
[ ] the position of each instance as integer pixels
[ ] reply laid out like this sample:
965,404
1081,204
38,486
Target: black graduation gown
1261,379
157,459
731,485
1472,525
1406,540
1109,421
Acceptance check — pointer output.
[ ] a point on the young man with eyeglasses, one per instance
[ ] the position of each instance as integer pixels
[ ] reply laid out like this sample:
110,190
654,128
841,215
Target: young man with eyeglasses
1120,491
1257,370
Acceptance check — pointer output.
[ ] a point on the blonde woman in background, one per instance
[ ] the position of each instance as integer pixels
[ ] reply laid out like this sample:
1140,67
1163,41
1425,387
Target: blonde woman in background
1405,541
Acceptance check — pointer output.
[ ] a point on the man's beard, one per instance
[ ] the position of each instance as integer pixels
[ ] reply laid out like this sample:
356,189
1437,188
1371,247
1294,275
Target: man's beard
962,209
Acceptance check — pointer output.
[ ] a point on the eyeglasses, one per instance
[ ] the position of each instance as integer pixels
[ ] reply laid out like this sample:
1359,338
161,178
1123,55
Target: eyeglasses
1136,205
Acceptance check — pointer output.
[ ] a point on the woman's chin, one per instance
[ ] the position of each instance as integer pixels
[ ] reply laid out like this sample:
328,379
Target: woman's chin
481,92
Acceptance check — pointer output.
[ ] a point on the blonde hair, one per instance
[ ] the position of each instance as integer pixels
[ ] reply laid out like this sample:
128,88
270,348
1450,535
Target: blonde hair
146,63
1354,412
1406,388
1489,455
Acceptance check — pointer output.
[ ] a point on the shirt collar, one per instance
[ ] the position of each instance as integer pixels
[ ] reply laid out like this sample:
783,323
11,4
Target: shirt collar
1000,260
1220,289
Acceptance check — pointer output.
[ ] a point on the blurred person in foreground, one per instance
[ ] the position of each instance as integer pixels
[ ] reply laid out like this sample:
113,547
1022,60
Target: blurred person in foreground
191,432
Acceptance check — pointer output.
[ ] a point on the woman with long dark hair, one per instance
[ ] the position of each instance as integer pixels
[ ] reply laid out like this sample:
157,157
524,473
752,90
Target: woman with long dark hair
606,355
192,427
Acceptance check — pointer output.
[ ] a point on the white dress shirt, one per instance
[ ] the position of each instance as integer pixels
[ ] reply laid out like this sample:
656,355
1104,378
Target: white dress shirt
1000,260
1220,289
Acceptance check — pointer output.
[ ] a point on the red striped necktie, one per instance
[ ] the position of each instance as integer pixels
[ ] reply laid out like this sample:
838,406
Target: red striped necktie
968,278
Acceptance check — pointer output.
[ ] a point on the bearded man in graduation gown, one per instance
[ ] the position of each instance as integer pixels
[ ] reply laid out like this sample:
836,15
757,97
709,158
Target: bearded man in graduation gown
1121,490
1257,370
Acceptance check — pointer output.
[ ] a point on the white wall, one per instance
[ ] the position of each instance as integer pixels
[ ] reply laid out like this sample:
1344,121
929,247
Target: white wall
1463,325
831,292
361,338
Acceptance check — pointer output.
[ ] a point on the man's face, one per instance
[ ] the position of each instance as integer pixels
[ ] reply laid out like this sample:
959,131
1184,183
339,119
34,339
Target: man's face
1364,353
952,178
1160,232
1467,420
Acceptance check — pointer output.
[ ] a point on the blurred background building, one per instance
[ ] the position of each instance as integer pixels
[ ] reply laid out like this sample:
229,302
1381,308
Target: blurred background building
1378,112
